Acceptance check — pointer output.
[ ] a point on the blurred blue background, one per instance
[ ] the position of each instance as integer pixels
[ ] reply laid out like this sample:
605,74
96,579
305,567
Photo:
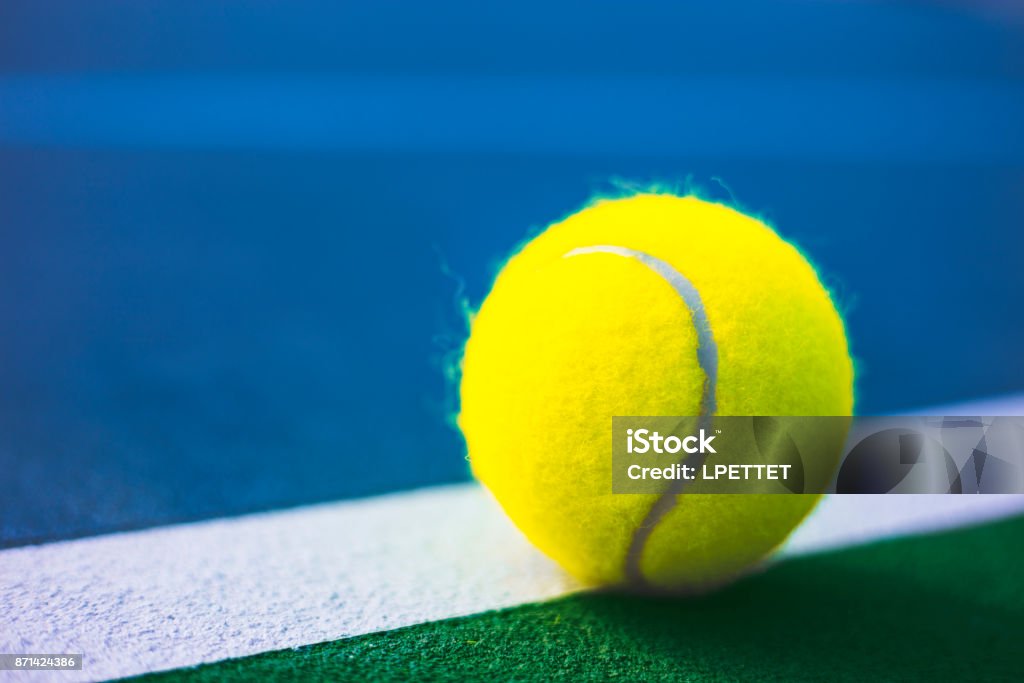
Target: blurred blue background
233,236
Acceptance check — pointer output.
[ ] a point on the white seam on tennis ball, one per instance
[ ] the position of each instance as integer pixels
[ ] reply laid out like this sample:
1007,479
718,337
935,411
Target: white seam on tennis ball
707,348
707,358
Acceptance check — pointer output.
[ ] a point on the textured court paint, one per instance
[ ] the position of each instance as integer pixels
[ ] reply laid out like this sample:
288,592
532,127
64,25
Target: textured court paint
179,596
176,596
948,607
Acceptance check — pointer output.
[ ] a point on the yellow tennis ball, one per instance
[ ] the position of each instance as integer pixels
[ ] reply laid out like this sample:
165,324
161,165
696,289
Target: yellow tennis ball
653,304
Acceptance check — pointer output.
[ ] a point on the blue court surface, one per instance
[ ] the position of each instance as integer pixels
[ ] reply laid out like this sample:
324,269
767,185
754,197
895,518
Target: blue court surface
235,239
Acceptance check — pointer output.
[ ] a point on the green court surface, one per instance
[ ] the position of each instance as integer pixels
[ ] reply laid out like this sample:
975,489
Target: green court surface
941,607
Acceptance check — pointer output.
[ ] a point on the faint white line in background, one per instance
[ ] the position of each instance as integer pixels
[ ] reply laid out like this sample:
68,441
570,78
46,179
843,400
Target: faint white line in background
916,120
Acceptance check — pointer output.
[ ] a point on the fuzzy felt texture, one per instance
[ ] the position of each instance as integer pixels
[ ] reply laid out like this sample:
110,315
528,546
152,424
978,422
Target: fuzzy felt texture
561,345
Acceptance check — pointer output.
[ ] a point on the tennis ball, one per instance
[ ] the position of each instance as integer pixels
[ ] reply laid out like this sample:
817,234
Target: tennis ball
653,304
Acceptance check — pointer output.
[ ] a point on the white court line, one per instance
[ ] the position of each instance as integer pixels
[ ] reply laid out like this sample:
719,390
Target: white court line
182,595
842,521
178,596
850,520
